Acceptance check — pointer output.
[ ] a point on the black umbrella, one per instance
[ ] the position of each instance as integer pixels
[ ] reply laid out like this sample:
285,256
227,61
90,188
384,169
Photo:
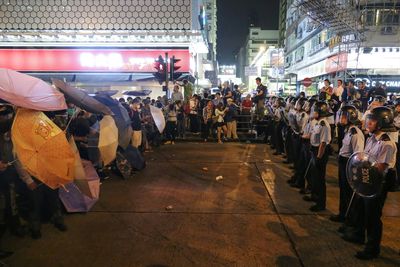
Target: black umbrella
121,118
138,93
81,99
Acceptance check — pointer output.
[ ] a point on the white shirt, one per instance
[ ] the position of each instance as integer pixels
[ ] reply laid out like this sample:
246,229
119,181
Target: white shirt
353,142
301,120
383,151
338,91
320,133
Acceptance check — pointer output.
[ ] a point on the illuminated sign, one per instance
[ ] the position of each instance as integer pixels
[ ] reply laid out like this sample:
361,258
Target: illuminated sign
373,82
88,60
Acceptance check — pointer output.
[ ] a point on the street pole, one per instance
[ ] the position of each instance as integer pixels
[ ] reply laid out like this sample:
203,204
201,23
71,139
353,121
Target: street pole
166,75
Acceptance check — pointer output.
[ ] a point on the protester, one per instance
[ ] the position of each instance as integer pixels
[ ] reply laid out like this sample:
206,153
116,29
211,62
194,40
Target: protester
136,124
207,120
176,94
231,120
171,124
220,112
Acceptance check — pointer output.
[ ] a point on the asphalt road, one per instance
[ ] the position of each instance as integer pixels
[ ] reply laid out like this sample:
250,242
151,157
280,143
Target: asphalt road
176,213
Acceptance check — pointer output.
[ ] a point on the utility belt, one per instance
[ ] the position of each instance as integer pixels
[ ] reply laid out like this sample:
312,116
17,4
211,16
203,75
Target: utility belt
328,149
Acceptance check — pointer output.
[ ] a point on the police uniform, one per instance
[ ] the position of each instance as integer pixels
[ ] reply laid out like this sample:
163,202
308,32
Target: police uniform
278,125
300,120
320,133
384,150
353,141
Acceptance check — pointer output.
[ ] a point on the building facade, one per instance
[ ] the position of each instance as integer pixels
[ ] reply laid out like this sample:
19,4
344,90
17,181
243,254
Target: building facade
257,42
369,50
100,43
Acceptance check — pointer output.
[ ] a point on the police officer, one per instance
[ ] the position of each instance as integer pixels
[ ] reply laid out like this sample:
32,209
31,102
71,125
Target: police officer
279,117
320,148
353,141
379,121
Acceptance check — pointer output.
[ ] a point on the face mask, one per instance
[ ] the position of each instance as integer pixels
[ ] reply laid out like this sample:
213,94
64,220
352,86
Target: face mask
70,111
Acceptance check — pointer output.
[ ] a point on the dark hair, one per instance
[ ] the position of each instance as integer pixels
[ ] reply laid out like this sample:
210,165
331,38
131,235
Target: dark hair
236,86
121,100
220,105
205,95
258,79
351,82
327,80
218,93
340,81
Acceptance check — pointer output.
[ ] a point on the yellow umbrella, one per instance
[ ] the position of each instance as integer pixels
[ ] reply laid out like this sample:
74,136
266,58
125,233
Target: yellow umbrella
79,175
108,139
42,148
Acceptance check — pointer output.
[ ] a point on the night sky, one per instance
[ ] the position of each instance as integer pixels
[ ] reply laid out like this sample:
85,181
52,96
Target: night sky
233,23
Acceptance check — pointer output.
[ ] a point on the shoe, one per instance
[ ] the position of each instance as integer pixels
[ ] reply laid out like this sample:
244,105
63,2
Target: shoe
366,255
219,142
167,143
173,142
36,234
336,218
61,227
353,239
5,254
309,199
317,208
205,140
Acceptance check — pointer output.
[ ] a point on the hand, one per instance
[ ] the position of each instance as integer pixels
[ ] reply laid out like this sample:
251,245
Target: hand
32,186
3,166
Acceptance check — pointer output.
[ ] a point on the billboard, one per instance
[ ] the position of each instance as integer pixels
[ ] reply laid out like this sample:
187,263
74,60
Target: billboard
89,60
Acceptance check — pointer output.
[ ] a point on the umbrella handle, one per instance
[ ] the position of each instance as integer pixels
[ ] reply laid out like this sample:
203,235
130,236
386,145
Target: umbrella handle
77,110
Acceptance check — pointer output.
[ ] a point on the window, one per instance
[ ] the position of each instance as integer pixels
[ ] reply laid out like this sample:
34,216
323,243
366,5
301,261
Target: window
390,49
383,50
254,33
389,17
376,49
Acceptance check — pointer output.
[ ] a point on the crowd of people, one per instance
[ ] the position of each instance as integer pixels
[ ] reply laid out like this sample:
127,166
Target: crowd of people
301,129
210,116
357,119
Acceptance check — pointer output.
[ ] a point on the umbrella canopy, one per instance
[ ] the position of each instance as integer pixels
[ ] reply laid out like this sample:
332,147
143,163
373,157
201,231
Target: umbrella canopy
107,92
121,118
29,92
79,175
138,93
74,199
158,118
81,99
42,148
108,139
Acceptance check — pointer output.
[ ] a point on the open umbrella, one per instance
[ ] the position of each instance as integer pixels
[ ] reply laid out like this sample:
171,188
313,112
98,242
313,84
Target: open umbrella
121,117
74,199
29,92
138,93
108,139
42,148
81,99
80,175
158,118
107,92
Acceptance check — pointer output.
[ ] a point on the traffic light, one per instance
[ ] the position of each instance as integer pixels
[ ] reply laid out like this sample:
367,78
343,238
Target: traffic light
173,67
161,66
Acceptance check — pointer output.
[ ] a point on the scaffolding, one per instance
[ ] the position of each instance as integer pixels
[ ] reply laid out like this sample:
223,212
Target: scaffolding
351,20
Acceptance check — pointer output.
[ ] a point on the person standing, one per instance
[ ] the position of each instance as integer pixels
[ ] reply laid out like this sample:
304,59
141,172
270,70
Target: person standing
207,120
221,126
187,90
217,100
262,92
320,139
180,116
246,106
226,92
338,91
379,144
230,119
176,94
136,123
363,95
171,124
353,142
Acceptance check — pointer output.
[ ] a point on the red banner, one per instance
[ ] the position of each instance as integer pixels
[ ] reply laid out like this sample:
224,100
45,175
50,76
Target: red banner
89,60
